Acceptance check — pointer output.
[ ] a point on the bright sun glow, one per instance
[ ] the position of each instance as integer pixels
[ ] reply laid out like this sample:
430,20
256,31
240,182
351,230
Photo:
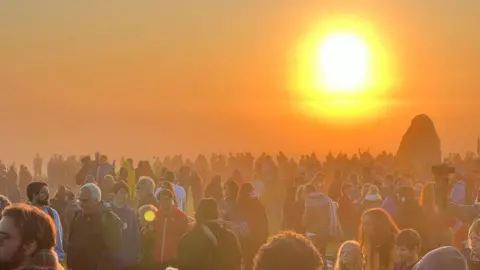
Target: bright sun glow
343,60
342,71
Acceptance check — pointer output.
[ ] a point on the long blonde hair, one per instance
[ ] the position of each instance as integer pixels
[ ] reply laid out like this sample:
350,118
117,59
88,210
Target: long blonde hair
358,264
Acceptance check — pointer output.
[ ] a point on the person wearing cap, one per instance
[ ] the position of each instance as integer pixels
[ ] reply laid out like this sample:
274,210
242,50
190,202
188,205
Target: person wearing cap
180,194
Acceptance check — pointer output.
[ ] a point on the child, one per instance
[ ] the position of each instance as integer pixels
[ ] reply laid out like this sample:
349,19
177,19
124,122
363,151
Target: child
349,257
408,243
472,253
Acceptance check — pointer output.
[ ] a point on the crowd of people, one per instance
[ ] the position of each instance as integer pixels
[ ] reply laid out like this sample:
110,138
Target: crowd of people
358,212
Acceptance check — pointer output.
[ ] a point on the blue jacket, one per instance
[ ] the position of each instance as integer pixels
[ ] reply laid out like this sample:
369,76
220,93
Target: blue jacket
59,230
129,252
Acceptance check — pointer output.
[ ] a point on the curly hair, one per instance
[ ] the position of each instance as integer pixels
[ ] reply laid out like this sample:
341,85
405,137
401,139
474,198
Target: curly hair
286,251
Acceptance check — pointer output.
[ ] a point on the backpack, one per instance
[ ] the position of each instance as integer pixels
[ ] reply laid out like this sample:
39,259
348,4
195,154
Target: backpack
112,229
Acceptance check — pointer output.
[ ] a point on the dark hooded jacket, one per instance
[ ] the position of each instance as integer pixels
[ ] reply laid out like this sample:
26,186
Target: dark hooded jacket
93,240
444,258
209,246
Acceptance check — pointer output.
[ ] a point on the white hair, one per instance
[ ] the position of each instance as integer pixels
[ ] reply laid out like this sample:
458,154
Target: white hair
94,190
147,182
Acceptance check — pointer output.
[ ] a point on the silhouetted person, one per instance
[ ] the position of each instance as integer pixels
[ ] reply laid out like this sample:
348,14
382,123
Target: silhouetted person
13,192
24,178
87,166
37,166
209,245
252,212
214,189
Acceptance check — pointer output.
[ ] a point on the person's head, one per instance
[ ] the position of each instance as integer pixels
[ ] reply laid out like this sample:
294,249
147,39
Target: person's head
70,196
354,178
107,184
216,180
377,227
405,193
246,191
207,210
103,159
230,190
408,243
309,189
147,214
169,186
165,199
185,171
170,177
402,182
86,161
347,189
90,179
108,180
389,180
38,193
89,198
418,187
474,237
373,190
145,186
444,258
349,254
287,251
121,191
62,192
317,180
24,230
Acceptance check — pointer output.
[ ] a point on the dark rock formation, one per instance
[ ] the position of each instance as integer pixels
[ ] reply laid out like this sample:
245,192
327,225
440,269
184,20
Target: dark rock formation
420,145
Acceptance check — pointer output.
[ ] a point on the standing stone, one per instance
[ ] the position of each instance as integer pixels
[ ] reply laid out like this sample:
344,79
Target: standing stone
420,146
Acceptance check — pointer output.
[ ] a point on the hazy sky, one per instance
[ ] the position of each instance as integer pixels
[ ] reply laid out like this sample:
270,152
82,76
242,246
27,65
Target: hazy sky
165,76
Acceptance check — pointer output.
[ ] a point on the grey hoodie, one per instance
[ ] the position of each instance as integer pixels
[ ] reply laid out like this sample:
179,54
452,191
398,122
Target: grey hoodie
444,258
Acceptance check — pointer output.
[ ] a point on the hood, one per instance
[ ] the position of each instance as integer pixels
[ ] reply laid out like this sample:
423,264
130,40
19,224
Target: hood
316,199
444,258
210,229
373,197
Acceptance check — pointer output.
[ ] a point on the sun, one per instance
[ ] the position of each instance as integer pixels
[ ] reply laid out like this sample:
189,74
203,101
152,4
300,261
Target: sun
342,71
343,63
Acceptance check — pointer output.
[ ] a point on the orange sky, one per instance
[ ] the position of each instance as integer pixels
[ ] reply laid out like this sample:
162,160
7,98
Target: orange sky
153,77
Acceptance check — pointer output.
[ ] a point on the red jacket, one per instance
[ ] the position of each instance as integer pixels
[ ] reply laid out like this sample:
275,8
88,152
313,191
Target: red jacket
168,231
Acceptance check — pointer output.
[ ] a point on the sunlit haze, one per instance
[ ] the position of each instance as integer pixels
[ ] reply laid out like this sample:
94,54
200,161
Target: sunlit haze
147,78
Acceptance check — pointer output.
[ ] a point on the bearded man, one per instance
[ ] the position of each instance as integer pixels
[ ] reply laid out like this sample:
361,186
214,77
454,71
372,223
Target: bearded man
39,195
